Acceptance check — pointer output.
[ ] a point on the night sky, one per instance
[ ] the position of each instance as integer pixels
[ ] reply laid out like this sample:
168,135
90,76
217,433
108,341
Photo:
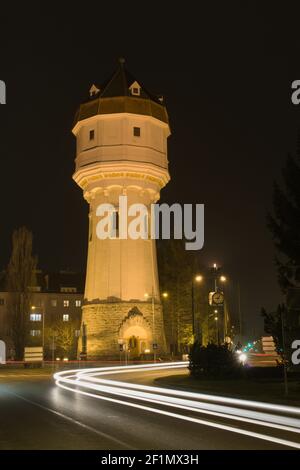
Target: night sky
226,73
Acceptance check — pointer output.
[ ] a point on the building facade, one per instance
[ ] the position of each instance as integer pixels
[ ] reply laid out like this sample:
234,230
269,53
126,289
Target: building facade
54,316
121,133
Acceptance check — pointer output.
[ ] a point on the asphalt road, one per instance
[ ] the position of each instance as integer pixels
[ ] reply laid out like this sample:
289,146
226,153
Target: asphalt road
36,414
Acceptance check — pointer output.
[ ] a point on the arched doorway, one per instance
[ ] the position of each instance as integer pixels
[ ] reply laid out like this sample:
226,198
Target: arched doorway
136,339
136,333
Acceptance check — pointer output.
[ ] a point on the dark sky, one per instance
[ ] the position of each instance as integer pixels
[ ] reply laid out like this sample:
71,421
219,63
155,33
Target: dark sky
226,72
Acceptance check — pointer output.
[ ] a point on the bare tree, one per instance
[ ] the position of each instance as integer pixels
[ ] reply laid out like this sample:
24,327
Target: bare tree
62,334
20,280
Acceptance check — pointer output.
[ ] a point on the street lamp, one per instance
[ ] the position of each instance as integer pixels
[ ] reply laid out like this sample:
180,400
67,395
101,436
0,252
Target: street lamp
217,327
154,345
165,295
198,278
43,323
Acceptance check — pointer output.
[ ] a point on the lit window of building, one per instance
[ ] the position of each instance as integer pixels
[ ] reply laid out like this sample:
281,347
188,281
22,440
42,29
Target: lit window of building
53,303
35,332
35,288
66,317
66,303
78,303
35,317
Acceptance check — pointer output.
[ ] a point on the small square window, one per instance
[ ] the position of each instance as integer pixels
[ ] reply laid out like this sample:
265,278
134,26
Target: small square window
35,332
35,317
92,134
66,317
66,303
136,131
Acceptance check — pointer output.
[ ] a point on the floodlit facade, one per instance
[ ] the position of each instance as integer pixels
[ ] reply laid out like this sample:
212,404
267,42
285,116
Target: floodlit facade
121,133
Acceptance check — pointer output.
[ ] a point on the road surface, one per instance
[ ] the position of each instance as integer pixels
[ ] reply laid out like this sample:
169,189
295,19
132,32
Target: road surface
37,414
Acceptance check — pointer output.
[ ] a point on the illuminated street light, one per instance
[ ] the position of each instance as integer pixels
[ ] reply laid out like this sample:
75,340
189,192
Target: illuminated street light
197,278
216,318
43,318
165,295
146,295
223,279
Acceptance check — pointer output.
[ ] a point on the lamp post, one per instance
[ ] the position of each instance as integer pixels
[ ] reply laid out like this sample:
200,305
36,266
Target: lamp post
197,278
154,345
165,296
220,279
33,307
223,279
153,326
217,326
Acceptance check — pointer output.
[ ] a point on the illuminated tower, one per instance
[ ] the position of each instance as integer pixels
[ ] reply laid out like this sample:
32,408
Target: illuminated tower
121,133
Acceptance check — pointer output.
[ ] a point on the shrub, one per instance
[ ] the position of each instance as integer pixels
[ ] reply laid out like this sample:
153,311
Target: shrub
213,362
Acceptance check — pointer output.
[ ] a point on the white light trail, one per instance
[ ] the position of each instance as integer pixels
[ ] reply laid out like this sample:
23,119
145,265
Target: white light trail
187,401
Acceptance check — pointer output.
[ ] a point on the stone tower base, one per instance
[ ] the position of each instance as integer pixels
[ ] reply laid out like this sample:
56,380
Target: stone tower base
110,324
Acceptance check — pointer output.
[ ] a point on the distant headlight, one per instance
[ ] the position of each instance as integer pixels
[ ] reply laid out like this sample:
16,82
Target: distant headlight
243,357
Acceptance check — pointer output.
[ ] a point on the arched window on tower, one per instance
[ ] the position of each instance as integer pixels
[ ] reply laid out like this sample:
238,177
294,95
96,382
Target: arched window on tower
115,223
90,226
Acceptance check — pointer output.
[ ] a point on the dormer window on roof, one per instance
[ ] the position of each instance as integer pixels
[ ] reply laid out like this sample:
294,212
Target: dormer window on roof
136,98
94,90
135,89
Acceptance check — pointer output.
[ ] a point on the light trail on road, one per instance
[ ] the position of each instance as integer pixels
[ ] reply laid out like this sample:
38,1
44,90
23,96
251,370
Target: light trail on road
283,418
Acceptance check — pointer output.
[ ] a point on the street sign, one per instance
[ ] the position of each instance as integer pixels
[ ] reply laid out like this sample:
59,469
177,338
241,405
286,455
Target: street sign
268,345
2,352
33,354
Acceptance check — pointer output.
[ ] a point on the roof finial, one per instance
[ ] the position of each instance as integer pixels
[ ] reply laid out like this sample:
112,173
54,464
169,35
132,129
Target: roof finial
122,61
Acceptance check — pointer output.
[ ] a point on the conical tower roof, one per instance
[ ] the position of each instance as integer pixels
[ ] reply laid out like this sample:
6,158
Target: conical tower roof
122,93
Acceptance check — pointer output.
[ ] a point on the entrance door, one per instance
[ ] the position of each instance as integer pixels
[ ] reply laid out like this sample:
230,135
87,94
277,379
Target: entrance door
134,346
